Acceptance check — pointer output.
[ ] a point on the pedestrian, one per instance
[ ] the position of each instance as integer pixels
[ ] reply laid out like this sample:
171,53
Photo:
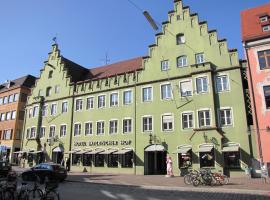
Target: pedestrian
264,172
169,166
248,172
68,164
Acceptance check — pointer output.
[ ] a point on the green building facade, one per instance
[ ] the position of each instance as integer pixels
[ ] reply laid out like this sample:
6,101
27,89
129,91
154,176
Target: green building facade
184,100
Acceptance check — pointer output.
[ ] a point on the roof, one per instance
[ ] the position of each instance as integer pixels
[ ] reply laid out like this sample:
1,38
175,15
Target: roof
115,69
25,81
251,25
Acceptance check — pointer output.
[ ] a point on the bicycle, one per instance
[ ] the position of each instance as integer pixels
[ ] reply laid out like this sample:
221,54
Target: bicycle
51,192
188,177
204,178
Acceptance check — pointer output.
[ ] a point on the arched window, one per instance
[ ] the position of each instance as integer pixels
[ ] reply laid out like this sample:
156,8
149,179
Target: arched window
180,39
48,91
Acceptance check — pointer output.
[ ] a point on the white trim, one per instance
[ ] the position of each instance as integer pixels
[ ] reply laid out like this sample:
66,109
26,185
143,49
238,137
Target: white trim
152,94
215,156
228,80
198,121
127,118
161,120
123,100
208,85
44,133
179,87
80,110
93,102
114,106
160,87
193,121
60,130
74,129
53,125
53,103
65,101
219,117
117,128
144,116
97,128
92,128
105,96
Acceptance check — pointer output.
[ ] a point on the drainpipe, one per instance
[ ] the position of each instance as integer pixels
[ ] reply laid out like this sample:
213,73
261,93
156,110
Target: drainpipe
71,122
135,126
254,105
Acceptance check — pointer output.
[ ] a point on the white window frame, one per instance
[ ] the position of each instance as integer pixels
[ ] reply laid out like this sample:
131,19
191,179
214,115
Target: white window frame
35,132
104,102
5,131
80,130
40,132
8,115
78,107
151,98
161,119
127,118
263,18
193,120
117,100
131,97
35,111
165,65
57,89
93,102
219,117
183,64
100,121
53,114
51,136
147,131
180,90
199,58
46,110
13,114
92,130
161,96
30,112
60,130
228,83
63,102
266,28
210,114
208,86
117,127
180,39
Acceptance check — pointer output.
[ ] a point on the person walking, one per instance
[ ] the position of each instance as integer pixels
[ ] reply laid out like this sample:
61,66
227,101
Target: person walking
169,166
68,164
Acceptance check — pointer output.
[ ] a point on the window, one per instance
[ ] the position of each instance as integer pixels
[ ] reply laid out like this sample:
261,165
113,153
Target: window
89,103
87,159
202,84
167,123
222,83
77,129
63,130
64,107
164,65
266,28
147,94
126,159
5,100
207,159
33,132
52,131
53,109
266,90
76,159
42,132
8,115
204,118
186,88
127,125
112,160
182,61
185,159
101,101
10,98
48,91
35,111
30,112
113,126
114,99
16,97
50,74
88,130
13,114
78,104
180,39
166,91
147,124
264,59
3,116
99,160
1,100
44,110
225,117
187,120
199,58
127,97
264,18
231,156
57,89
100,128
27,133
7,134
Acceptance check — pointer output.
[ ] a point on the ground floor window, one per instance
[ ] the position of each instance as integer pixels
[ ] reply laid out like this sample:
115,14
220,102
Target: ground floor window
185,159
232,160
87,160
112,160
127,160
207,159
76,159
99,160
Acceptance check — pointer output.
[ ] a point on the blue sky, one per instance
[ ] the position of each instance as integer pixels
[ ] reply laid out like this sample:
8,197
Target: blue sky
87,29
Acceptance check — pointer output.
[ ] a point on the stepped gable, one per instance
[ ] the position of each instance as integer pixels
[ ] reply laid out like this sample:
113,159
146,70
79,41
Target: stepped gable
118,68
26,81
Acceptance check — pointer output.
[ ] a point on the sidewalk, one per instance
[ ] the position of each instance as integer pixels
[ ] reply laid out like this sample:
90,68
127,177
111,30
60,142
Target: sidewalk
236,185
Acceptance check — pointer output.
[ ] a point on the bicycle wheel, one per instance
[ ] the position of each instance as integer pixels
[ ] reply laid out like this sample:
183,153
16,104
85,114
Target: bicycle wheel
51,195
187,179
35,194
8,195
196,182
23,195
224,180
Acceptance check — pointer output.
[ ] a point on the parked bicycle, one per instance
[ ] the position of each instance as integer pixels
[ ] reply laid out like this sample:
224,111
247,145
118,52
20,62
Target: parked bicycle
51,192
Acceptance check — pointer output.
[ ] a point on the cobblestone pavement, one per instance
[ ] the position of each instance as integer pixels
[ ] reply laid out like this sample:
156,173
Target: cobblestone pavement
89,191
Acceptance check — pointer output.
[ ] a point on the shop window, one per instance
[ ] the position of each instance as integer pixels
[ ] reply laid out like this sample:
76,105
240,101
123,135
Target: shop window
207,159
87,160
99,160
76,159
264,59
112,160
185,159
127,160
232,160
266,90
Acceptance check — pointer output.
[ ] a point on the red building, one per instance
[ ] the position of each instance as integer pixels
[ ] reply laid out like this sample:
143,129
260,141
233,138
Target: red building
256,42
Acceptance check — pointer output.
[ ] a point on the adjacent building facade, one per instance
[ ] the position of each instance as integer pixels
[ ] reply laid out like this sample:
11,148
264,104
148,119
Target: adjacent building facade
13,96
256,42
128,116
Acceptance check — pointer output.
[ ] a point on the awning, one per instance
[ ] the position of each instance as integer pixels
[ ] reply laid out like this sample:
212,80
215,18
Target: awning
18,152
183,150
96,151
230,149
155,147
72,151
35,152
203,149
82,152
123,151
109,151
58,149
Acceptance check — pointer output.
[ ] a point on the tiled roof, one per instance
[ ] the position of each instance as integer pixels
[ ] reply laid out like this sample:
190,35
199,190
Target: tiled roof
26,81
251,24
115,69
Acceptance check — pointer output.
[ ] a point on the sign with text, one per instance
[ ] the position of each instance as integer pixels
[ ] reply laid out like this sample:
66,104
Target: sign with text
102,143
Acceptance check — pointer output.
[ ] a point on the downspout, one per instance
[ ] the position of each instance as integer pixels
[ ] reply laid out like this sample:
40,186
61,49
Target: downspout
254,105
135,126
71,121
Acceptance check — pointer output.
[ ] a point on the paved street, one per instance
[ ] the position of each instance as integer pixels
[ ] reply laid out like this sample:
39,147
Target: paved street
77,190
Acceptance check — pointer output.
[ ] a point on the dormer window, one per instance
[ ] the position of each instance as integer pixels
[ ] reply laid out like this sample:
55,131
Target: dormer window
48,91
50,74
180,39
266,28
264,18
